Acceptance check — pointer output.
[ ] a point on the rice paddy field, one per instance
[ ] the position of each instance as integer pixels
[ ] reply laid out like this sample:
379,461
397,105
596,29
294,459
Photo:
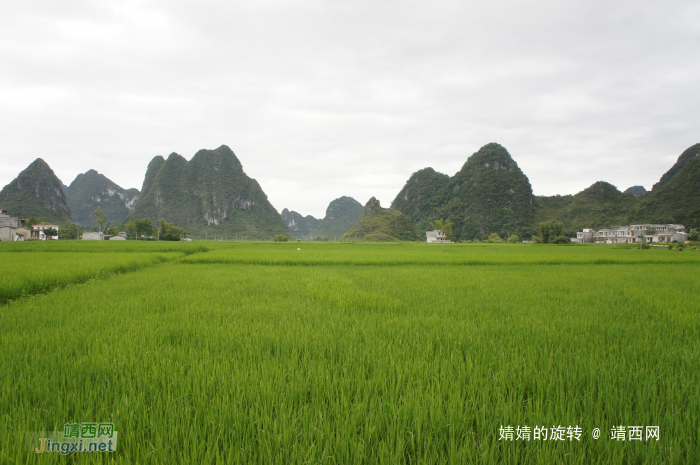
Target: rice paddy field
351,353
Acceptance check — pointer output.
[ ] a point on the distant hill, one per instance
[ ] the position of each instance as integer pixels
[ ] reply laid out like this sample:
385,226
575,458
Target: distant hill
36,191
637,191
90,190
423,198
299,225
210,194
381,225
689,153
489,194
341,214
677,200
598,206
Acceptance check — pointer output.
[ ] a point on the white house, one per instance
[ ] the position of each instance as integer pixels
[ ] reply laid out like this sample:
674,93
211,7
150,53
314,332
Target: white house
12,228
93,236
585,236
120,236
436,237
635,233
38,232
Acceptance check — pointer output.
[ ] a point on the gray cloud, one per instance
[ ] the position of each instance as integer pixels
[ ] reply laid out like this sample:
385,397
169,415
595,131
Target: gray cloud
322,99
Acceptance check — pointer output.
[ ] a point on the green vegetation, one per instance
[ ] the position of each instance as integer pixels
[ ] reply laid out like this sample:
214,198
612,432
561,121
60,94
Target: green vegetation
381,225
281,238
45,268
69,231
375,355
210,194
494,238
677,200
550,231
100,217
90,190
694,235
407,254
170,232
140,228
423,198
36,220
36,192
688,154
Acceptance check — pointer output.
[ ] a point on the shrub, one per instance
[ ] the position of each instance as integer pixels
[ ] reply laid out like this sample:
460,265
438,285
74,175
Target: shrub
560,240
281,238
495,238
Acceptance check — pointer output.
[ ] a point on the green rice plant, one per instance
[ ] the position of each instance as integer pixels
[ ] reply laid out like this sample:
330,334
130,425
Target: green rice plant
30,273
232,363
63,246
400,254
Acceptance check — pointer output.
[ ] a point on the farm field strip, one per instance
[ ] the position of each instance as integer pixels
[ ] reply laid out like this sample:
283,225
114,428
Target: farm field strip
31,273
424,254
109,246
346,364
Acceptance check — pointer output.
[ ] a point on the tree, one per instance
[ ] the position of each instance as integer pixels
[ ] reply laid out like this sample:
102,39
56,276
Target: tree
560,240
694,235
495,238
36,220
50,232
443,225
549,231
169,232
101,217
112,230
281,238
70,231
140,227
513,239
130,229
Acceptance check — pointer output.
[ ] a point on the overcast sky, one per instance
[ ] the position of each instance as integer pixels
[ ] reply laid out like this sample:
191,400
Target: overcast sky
320,99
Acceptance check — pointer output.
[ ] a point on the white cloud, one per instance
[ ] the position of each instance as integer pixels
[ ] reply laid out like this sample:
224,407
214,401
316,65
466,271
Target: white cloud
324,99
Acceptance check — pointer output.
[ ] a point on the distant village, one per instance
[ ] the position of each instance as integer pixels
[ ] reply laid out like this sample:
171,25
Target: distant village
660,233
15,229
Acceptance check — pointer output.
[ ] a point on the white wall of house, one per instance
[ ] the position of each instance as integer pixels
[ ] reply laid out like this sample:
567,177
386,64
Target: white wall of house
663,233
93,236
38,231
434,237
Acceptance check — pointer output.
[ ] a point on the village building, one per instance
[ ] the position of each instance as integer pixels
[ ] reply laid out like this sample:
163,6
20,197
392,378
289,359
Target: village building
121,236
13,228
93,236
39,232
654,233
436,237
